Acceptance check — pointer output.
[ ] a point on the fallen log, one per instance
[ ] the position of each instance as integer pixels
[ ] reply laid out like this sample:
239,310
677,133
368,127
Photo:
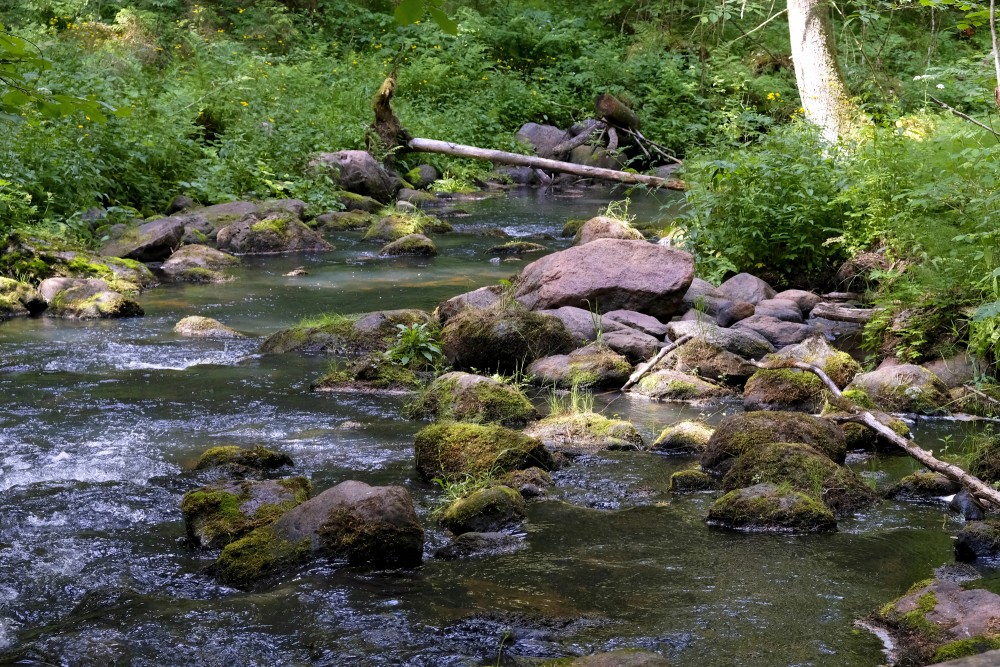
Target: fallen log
502,157
615,112
590,127
980,490
641,371
832,311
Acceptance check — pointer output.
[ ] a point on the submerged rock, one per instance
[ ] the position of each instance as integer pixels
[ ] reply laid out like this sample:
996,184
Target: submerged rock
197,264
205,327
370,374
218,514
85,298
685,437
353,521
595,365
240,461
645,323
480,545
692,481
457,450
473,398
770,508
516,248
502,340
585,432
904,388
487,510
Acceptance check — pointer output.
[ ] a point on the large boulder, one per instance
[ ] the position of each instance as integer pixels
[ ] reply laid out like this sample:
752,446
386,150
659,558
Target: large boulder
277,232
197,264
595,365
149,242
502,340
17,298
348,335
585,432
609,274
752,431
473,398
487,510
457,450
353,521
360,173
903,388
771,508
543,138
603,227
479,545
745,287
89,298
742,342
218,514
644,323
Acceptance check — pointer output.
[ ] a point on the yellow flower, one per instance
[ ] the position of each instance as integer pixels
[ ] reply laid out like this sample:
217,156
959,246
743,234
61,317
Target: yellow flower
242,10
246,104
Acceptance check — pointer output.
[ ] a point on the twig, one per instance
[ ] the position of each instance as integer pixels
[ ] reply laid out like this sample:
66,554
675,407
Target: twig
965,116
641,371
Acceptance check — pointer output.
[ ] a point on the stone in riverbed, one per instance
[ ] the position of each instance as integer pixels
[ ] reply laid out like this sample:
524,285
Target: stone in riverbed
358,172
277,232
489,510
743,342
692,480
685,437
205,327
779,309
784,389
635,345
239,461
412,244
745,287
603,227
149,242
709,361
585,432
583,324
595,365
91,298
668,385
778,332
770,508
923,485
904,388
457,450
516,248
197,264
978,539
473,398
17,298
609,274
347,335
502,340
806,301
484,297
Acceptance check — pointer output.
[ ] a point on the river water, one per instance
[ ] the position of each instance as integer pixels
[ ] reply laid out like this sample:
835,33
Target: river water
102,422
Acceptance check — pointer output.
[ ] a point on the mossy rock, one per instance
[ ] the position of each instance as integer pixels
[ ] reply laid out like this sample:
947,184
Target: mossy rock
371,374
978,539
839,366
771,508
710,361
904,388
692,481
502,340
343,221
685,437
603,227
595,365
346,335
239,460
784,389
457,450
473,398
17,298
923,485
752,431
516,248
487,510
356,202
803,469
218,514
395,226
860,437
86,298
984,461
196,326
668,385
571,228
410,245
585,432
530,481
277,232
197,264
964,648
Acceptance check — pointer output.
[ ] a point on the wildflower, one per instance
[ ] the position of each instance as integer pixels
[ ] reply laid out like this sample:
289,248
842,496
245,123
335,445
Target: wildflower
940,86
246,104
242,10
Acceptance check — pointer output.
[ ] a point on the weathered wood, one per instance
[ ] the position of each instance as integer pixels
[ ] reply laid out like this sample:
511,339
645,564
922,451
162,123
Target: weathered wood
614,111
641,371
981,491
833,311
502,157
567,146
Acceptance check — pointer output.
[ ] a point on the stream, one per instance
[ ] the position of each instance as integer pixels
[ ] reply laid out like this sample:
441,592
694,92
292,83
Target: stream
103,421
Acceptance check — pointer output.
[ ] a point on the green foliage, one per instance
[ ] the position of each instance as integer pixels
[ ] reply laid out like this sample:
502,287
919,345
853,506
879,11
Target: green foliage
416,346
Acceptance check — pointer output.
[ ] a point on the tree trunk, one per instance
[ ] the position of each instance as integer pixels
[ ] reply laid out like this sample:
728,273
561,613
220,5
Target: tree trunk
817,73
613,110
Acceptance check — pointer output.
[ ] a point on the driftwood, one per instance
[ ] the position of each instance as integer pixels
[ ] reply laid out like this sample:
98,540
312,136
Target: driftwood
387,131
641,371
614,111
984,493
583,137
832,311
502,157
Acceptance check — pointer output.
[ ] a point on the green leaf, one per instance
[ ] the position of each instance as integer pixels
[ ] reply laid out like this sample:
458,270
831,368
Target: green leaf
445,22
409,11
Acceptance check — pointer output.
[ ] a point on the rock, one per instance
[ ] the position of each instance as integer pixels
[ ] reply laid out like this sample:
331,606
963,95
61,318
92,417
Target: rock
957,370
700,292
516,248
356,202
180,203
585,432
806,301
484,297
197,264
595,365
499,340
415,198
412,244
218,514
779,309
360,173
17,298
751,431
860,437
710,362
592,156
488,510
530,482
80,298
239,461
940,620
729,312
517,175
784,389
804,469
923,485
480,545
362,524
978,539
691,481
609,274
543,138
634,345
343,221
396,226
205,327
345,335
603,227
668,385
777,332
904,388
839,366
626,658
745,287
473,398
633,320
583,324
296,272
275,233
685,437
454,451
769,508
149,242
965,504
745,343
373,374
422,176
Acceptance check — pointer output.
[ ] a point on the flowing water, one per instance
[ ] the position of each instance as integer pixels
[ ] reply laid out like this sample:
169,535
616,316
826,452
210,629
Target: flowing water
103,420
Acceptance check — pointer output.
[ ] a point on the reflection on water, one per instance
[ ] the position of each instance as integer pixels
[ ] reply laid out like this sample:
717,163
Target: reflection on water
103,421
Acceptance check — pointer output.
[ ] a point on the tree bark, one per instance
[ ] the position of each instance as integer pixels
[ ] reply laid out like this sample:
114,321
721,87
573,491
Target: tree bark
502,157
817,73
615,112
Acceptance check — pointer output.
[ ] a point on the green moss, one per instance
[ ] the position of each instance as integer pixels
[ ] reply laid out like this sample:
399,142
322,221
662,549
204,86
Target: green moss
684,437
455,450
515,248
688,481
771,508
258,458
860,398
348,533
197,274
371,373
274,223
486,510
394,226
572,227
258,555
963,648
916,620
587,431
471,399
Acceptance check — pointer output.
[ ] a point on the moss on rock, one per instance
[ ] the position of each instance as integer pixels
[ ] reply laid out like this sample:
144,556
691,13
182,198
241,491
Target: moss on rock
771,508
239,459
348,335
585,432
485,511
595,365
691,481
371,374
473,398
784,389
923,485
685,437
411,245
668,385
457,450
260,554
516,248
